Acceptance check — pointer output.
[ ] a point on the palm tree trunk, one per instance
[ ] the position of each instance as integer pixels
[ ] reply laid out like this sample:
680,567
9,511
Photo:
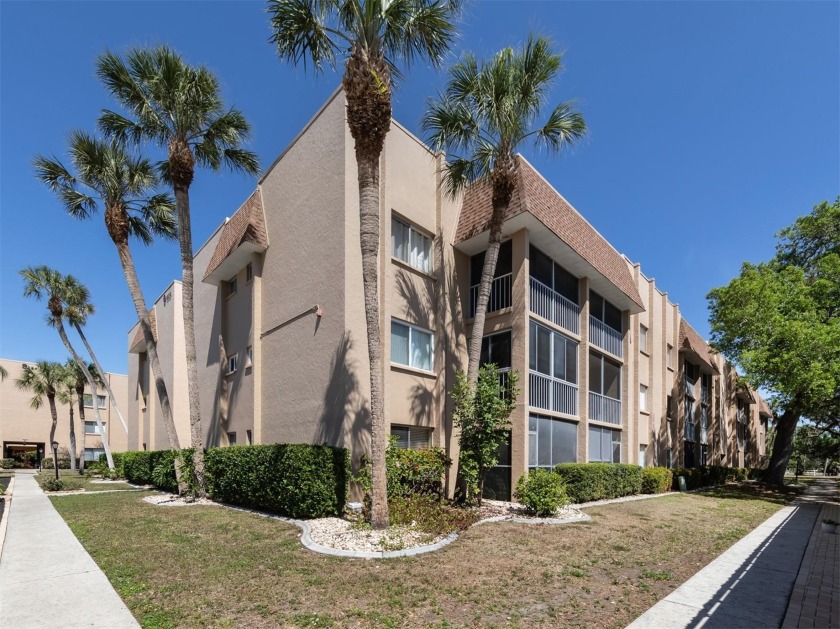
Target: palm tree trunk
182,201
368,168
93,391
782,447
151,346
105,380
72,438
54,413
80,395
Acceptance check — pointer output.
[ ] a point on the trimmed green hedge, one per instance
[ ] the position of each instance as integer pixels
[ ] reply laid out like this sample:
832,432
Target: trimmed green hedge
656,480
295,480
586,482
63,462
409,472
710,475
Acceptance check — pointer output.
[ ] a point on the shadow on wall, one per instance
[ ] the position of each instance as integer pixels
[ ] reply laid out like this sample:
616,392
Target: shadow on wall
345,415
218,417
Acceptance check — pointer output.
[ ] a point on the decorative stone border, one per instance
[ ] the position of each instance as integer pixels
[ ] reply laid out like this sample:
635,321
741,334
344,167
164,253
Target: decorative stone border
522,520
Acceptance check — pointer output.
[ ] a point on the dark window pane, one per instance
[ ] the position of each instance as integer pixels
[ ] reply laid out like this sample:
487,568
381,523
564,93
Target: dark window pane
606,446
563,442
559,357
500,349
594,444
402,436
596,305
541,266
571,361
612,316
532,346
485,351
476,265
543,350
504,263
504,451
497,484
565,283
544,445
595,384
612,379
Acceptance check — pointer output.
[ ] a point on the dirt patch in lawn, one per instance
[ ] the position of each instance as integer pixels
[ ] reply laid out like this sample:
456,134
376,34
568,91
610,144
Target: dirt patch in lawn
208,566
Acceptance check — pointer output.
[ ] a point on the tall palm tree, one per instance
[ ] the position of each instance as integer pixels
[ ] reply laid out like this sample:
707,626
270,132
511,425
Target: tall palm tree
43,380
179,107
43,282
79,382
3,373
487,111
107,174
76,314
66,394
372,36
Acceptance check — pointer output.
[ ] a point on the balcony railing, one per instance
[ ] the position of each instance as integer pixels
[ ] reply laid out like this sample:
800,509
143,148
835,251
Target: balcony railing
500,294
603,336
604,409
552,394
551,305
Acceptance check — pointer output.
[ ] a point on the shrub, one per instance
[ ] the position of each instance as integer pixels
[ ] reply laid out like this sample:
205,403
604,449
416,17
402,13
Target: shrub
52,484
137,467
586,482
541,492
656,480
163,470
7,464
429,514
48,462
409,472
297,480
756,473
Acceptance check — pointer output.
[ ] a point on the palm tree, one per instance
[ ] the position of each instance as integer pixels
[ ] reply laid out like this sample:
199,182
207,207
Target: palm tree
43,380
66,394
179,107
79,382
107,175
372,35
43,282
3,373
76,314
485,113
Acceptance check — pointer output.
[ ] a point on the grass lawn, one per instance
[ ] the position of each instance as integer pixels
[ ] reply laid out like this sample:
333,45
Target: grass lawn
74,481
211,566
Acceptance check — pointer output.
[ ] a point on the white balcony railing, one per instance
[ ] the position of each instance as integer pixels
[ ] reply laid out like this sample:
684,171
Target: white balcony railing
603,336
500,294
552,394
604,409
551,305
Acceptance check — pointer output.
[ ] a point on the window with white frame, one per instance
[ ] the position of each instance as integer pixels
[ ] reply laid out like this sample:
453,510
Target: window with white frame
642,454
669,407
604,445
249,357
232,364
669,351
411,346
232,286
92,454
91,428
411,246
411,437
88,401
552,354
643,338
550,441
643,398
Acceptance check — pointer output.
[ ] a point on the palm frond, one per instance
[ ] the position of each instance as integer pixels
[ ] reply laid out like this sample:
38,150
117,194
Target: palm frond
119,127
419,29
301,33
564,126
156,217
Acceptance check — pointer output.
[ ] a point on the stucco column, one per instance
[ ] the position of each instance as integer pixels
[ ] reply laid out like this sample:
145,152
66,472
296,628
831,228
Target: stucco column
629,389
520,303
583,372
256,344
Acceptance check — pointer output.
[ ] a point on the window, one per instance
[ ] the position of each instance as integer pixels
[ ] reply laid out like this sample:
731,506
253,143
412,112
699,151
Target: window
501,288
669,407
91,428
604,445
410,246
643,341
548,272
232,286
643,398
742,418
504,263
249,272
497,480
92,454
604,311
689,420
249,439
231,438
495,349
411,437
691,372
668,356
232,364
704,454
642,454
249,357
552,354
604,376
411,346
668,460
88,401
551,441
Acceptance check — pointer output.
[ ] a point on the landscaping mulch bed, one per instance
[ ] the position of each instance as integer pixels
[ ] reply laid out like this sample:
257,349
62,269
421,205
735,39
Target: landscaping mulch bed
212,567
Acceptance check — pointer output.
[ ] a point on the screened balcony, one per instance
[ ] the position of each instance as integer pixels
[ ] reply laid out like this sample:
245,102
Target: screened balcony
603,336
554,307
552,394
604,409
501,291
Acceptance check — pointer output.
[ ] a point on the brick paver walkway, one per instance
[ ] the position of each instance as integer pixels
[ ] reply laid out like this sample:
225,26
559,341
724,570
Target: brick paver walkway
815,600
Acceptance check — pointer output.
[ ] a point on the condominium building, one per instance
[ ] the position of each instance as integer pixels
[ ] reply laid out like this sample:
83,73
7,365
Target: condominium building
25,431
610,370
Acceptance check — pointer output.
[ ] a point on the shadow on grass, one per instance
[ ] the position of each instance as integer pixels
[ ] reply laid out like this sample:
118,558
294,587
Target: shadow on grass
753,491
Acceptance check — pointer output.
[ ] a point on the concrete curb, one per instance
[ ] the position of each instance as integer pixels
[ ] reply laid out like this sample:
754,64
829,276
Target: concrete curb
4,521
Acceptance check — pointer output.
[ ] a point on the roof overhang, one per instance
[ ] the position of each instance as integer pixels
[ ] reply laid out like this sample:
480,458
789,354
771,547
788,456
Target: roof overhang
552,245
236,260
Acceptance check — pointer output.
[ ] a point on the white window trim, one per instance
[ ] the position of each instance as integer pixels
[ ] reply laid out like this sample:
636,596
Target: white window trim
412,229
409,428
233,286
249,272
232,363
101,399
643,338
416,328
643,401
669,360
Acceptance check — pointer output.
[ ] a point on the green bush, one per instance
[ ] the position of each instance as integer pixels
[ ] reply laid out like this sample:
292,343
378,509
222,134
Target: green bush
429,514
52,484
48,463
586,482
163,470
118,463
541,492
656,480
7,464
710,475
756,473
137,467
295,480
409,472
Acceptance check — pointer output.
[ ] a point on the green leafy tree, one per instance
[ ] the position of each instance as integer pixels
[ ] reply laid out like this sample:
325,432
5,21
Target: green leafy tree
180,108
42,282
43,380
481,414
106,174
485,114
779,321
372,36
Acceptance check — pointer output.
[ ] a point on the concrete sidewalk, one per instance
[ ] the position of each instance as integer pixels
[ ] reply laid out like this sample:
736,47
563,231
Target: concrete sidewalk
751,585
47,579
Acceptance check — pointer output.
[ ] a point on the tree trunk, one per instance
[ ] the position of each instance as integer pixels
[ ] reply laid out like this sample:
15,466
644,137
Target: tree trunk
54,413
182,201
94,394
102,374
782,447
504,183
151,345
72,438
80,397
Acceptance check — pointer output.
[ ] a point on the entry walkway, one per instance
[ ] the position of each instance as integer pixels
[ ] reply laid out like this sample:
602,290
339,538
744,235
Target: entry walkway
47,579
777,575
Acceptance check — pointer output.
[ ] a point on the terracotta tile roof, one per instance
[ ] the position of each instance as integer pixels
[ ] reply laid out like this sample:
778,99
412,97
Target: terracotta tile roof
535,195
691,340
138,341
246,225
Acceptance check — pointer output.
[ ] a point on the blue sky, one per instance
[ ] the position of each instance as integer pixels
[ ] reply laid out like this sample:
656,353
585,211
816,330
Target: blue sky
712,126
